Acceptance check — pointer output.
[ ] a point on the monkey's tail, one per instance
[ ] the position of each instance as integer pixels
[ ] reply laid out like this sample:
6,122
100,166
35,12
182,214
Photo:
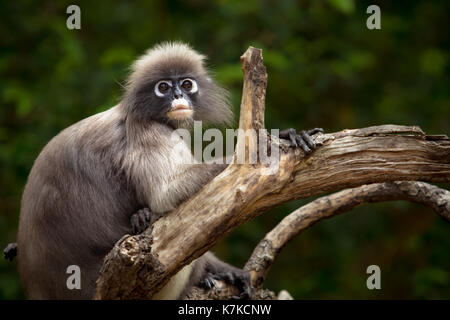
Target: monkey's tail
10,251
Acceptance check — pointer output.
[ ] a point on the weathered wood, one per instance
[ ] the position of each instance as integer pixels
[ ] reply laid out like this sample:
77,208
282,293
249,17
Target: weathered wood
292,225
325,207
253,91
345,159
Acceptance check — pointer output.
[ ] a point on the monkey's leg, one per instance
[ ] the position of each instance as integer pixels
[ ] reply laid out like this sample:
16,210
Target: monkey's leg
142,219
301,139
215,269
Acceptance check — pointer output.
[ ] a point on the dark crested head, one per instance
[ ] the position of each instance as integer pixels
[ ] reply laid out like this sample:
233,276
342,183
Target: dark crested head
170,84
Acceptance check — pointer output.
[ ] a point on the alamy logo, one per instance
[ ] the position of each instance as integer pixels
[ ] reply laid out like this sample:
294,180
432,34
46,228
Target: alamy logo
374,20
260,148
374,281
74,280
74,20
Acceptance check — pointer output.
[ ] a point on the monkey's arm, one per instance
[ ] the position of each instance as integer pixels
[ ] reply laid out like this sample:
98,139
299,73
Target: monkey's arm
182,184
197,175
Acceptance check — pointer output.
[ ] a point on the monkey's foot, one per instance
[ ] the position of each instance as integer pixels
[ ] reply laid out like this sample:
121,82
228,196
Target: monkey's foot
301,139
10,251
240,279
142,219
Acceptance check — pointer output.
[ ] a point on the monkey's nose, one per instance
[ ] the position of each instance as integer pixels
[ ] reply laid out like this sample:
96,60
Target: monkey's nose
177,94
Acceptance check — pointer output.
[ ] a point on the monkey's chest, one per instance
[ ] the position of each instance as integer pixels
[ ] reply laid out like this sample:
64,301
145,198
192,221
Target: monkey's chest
163,174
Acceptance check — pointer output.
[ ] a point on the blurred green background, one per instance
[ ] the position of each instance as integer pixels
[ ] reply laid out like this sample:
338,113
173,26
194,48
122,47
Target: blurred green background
326,69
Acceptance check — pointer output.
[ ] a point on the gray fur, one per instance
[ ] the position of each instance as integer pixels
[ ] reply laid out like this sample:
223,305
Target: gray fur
90,179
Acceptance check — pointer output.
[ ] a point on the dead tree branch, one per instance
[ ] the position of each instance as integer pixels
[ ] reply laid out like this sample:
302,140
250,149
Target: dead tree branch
138,266
326,207
292,225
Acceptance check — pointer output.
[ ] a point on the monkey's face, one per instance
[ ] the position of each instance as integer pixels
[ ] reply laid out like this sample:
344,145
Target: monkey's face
177,95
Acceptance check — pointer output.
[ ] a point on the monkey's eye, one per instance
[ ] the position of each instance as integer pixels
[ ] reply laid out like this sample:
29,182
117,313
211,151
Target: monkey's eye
162,87
189,85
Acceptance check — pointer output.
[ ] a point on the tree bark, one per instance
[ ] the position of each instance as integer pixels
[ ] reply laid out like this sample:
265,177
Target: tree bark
138,266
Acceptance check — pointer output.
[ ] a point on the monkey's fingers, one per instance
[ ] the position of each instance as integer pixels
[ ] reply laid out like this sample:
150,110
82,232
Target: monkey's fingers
10,251
314,131
308,140
302,139
289,134
240,279
243,283
142,219
303,143
208,282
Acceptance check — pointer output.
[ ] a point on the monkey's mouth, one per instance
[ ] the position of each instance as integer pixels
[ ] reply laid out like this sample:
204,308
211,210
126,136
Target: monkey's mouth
180,110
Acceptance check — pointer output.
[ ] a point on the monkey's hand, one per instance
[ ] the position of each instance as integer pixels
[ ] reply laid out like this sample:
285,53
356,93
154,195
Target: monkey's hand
301,139
236,277
10,251
142,219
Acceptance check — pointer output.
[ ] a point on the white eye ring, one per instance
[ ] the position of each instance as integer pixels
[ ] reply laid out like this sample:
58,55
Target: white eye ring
194,87
158,92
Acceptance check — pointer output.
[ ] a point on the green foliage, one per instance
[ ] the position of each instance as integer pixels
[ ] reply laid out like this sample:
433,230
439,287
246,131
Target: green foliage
325,69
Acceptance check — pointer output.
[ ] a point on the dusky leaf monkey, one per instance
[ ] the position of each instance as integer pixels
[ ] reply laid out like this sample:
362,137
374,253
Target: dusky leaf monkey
116,172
